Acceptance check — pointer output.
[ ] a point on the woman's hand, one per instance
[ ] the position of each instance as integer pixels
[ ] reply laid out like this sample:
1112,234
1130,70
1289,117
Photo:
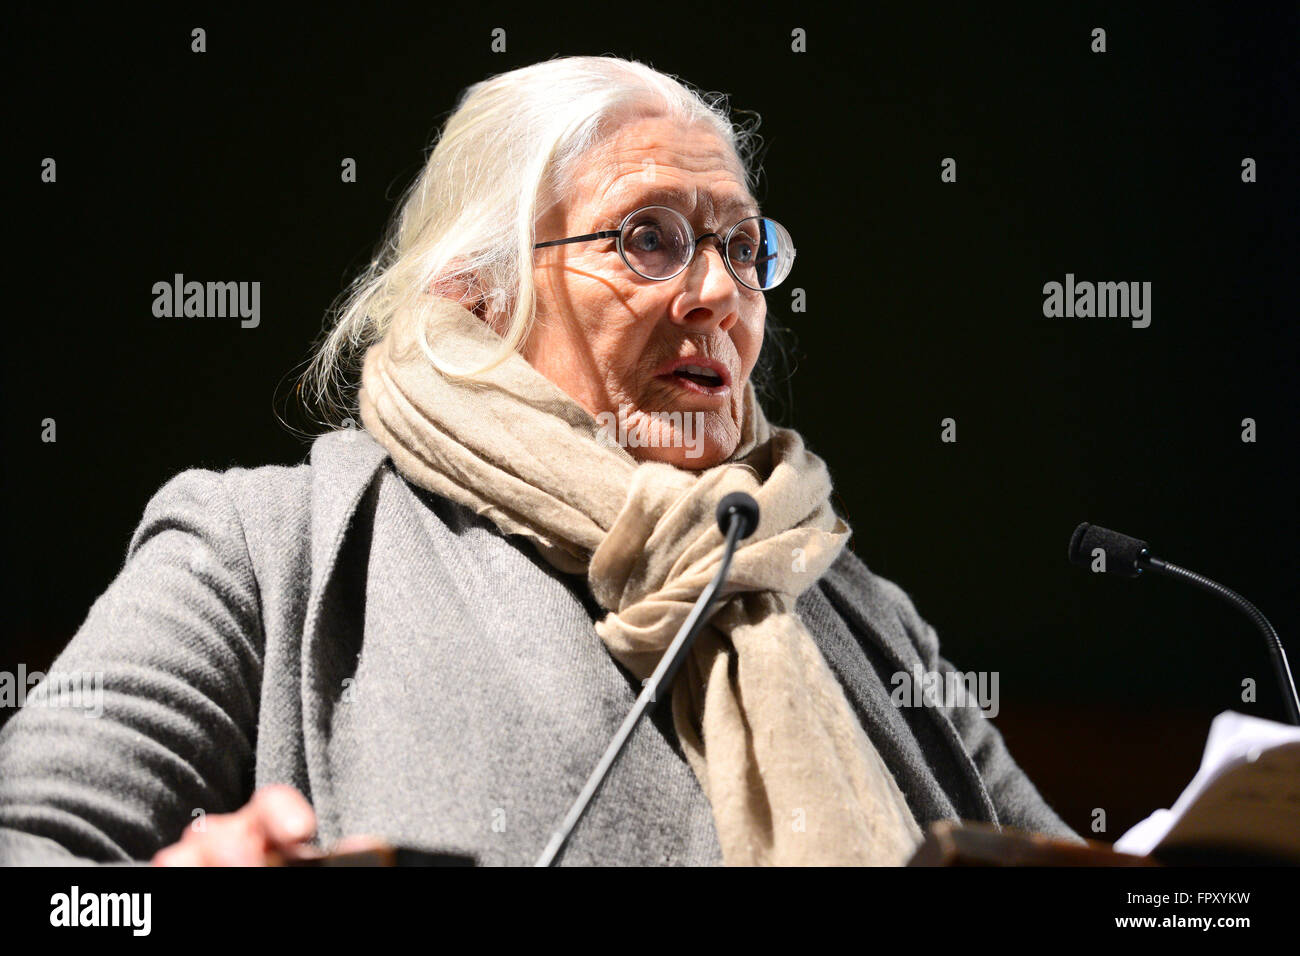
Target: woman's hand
274,825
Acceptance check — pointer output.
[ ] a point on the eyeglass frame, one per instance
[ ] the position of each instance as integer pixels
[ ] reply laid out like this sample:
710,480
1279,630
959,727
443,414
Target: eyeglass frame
695,246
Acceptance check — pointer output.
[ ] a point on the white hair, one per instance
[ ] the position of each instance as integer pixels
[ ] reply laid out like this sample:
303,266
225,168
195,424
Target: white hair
508,152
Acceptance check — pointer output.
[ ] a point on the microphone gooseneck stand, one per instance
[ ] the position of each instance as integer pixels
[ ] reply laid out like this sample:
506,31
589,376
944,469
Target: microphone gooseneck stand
1131,557
737,518
1275,651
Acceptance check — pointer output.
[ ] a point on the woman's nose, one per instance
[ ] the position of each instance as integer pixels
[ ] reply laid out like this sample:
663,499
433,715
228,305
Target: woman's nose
716,298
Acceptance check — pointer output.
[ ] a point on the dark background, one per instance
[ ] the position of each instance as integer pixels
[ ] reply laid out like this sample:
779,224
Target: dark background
924,302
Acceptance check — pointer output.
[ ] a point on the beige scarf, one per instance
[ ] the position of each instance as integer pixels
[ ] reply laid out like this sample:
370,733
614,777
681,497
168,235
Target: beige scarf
788,770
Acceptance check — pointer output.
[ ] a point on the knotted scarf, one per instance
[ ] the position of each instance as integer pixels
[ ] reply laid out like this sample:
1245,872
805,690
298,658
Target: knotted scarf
790,774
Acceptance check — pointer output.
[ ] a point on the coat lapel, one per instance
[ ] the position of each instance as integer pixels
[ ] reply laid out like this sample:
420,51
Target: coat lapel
873,615
344,465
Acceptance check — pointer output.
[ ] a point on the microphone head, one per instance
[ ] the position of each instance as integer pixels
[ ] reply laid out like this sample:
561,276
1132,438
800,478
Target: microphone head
745,510
1124,555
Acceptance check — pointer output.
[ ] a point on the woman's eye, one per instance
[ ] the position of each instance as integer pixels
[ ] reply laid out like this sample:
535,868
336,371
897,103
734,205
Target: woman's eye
742,251
647,239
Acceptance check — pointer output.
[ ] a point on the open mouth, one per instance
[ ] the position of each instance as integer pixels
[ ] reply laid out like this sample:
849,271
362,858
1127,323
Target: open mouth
704,377
698,374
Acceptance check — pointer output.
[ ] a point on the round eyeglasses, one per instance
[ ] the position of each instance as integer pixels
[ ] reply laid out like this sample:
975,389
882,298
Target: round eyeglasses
658,243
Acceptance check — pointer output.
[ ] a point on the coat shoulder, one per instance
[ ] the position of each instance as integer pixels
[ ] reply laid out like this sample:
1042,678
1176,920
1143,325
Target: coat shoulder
267,514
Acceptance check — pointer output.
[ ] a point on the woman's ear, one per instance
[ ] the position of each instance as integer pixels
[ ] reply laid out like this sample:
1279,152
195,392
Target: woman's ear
490,306
461,289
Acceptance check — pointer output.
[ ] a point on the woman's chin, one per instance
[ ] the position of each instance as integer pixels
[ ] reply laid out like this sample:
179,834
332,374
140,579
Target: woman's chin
688,439
696,455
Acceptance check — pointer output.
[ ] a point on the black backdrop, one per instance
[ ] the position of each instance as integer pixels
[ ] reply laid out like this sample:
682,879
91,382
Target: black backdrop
924,301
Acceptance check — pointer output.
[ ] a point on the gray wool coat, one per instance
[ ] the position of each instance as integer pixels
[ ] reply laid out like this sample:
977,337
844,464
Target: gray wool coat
416,675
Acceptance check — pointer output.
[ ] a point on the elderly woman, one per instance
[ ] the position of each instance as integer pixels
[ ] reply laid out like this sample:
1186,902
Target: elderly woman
429,632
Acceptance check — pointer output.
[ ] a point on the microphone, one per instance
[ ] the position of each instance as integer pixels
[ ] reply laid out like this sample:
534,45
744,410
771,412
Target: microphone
1129,557
741,506
737,516
1122,553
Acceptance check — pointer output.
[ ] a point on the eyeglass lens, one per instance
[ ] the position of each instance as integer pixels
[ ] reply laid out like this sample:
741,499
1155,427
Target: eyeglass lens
658,243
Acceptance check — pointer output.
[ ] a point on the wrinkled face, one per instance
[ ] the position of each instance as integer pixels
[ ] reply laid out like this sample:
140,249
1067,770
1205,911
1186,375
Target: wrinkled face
620,344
